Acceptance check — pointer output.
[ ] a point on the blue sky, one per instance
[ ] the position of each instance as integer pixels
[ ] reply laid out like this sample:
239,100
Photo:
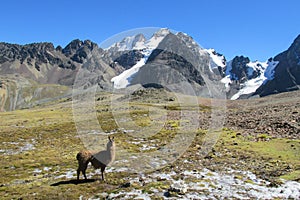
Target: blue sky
258,29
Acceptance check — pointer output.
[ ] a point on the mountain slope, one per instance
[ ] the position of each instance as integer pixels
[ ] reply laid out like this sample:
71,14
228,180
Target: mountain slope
172,53
243,77
42,62
179,64
286,75
28,70
145,48
165,59
170,60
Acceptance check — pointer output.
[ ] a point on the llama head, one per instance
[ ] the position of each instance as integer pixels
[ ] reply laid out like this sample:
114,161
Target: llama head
111,142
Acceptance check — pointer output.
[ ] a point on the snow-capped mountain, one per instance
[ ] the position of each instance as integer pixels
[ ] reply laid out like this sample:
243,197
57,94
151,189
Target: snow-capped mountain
279,74
244,77
253,78
240,76
137,42
146,46
283,71
166,58
129,43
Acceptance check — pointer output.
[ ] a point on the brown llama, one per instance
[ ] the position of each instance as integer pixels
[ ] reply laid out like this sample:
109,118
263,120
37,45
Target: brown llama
98,159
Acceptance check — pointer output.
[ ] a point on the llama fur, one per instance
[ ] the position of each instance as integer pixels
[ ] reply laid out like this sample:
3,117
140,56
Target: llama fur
99,160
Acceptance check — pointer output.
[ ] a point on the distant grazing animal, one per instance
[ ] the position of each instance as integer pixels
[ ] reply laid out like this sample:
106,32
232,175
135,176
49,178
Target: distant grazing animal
98,159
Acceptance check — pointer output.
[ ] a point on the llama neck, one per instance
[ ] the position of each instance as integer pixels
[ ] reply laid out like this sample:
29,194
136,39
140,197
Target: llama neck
111,152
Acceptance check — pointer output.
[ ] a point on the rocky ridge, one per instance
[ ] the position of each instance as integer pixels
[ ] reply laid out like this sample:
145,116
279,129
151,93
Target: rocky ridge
25,69
165,59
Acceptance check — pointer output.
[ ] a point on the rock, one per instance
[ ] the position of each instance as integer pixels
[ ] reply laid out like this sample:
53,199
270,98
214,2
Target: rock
167,194
72,47
179,188
274,183
128,59
161,178
125,185
240,68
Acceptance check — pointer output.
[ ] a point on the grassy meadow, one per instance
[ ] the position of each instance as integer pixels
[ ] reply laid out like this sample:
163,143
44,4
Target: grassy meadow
39,146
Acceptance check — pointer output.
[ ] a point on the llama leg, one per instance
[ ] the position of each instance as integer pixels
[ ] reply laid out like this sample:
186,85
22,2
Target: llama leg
79,169
83,171
102,172
78,173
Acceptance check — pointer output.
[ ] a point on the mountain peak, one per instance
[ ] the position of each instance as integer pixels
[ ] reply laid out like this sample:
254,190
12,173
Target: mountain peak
162,32
129,43
139,42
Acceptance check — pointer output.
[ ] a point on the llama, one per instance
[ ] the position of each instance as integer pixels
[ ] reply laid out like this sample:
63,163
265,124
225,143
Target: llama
98,159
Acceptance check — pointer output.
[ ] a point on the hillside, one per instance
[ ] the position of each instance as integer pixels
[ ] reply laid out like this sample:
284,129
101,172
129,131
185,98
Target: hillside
38,72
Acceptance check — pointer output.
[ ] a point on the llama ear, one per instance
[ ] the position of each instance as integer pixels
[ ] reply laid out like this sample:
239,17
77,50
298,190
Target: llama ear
109,138
113,138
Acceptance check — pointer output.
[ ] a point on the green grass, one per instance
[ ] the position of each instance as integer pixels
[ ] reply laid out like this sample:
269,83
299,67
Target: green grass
294,175
274,154
50,128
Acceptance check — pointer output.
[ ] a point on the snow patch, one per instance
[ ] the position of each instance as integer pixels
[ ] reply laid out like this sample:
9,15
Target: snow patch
123,79
206,184
249,86
145,147
227,81
28,146
47,168
269,73
215,59
134,194
37,171
68,175
265,69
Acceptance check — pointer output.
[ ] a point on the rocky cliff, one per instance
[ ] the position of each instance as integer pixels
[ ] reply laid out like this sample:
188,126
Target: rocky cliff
286,75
